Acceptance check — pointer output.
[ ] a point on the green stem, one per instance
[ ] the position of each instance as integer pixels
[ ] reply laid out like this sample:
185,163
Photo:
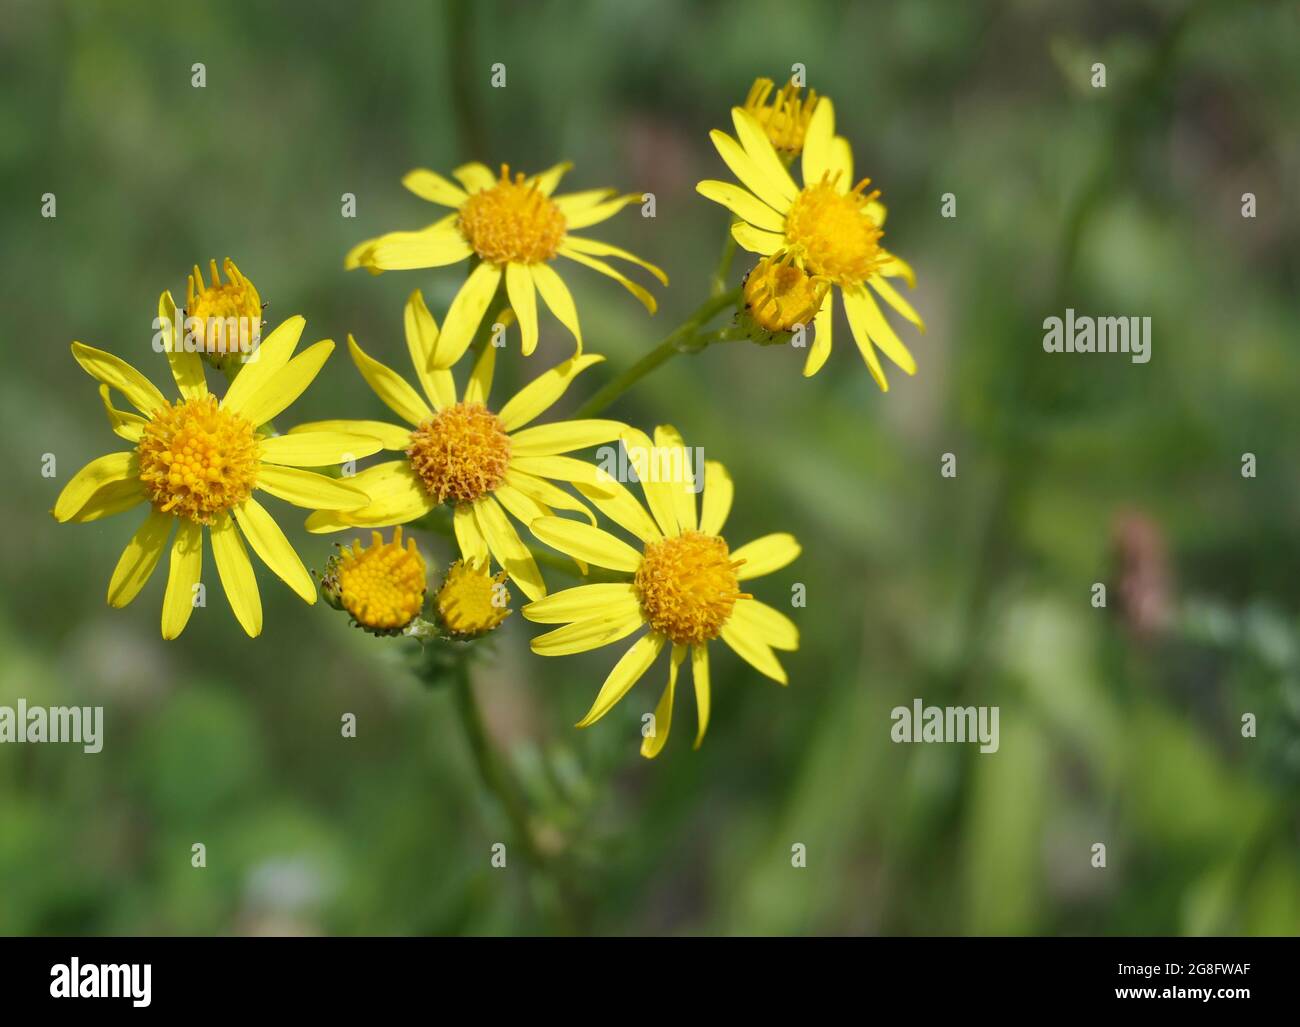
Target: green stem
718,283
685,338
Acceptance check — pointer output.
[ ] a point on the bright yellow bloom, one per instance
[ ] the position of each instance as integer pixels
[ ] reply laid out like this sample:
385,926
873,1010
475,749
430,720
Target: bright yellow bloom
197,462
684,584
833,230
778,294
785,119
462,451
515,228
382,586
229,314
472,601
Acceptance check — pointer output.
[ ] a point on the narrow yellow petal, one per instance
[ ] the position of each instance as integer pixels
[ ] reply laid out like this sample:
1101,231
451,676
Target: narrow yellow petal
523,301
436,246
116,373
309,489
466,313
653,744
754,651
626,673
541,393
640,292
273,548
668,440
595,213
584,635
744,168
895,300
604,249
184,571
473,546
125,424
563,437
718,493
618,504
759,149
187,368
817,144
771,625
260,366
861,336
700,675
318,448
547,180
755,240
397,496
429,185
287,384
864,313
743,204
422,342
479,386
645,460
558,299
474,176
547,494
583,542
389,386
572,203
507,547
765,555
519,505
236,574
139,558
390,436
560,468
821,346
840,163
612,600
110,499
100,472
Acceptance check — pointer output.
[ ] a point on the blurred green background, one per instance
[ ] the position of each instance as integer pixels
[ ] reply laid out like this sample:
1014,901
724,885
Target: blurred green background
1119,725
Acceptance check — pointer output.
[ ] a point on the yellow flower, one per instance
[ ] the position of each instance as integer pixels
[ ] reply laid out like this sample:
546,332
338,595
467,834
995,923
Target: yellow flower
785,119
684,584
197,462
472,601
832,230
515,228
382,586
483,461
779,295
226,317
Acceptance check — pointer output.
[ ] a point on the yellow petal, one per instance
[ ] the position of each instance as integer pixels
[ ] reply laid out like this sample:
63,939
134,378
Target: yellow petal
895,300
595,213
743,204
139,558
523,300
124,423
668,440
754,651
895,266
718,492
236,574
466,313
479,386
584,635
841,165
560,468
771,625
111,499
642,294
817,144
613,600
429,185
547,180
436,246
389,386
558,299
572,203
422,342
390,436
620,506
652,745
753,137
539,394
821,346
273,549
287,384
187,367
473,546
184,571
563,437
604,249
700,675
626,673
100,472
474,176
116,373
507,548
397,496
744,168
583,542
545,493
519,505
863,311
261,365
755,240
645,460
765,555
309,489
318,448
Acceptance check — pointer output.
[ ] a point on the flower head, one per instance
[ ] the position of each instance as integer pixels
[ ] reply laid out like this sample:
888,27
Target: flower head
831,228
684,586
460,449
472,601
382,586
197,462
226,317
514,228
779,294
784,115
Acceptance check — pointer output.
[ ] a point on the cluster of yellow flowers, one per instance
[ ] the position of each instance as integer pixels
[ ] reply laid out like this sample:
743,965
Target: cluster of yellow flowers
198,461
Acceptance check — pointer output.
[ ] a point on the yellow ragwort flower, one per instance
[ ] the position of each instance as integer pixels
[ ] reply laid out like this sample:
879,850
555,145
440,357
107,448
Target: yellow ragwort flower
684,584
471,600
197,462
483,461
382,586
778,294
515,228
833,230
228,315
785,118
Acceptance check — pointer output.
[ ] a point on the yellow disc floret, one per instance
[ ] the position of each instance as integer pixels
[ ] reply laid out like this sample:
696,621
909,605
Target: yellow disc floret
687,587
833,233
784,119
197,460
461,453
780,295
472,602
228,316
513,222
382,586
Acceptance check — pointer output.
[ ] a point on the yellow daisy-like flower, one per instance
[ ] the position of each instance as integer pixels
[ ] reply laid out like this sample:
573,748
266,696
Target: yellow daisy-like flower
832,229
382,586
472,601
458,450
684,584
515,228
197,462
785,118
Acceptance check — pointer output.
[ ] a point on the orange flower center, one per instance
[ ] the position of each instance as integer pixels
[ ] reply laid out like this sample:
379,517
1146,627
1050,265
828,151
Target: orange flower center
197,460
832,232
461,453
513,222
687,587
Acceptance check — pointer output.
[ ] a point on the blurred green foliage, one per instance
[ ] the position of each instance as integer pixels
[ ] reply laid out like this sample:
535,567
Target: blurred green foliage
976,589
